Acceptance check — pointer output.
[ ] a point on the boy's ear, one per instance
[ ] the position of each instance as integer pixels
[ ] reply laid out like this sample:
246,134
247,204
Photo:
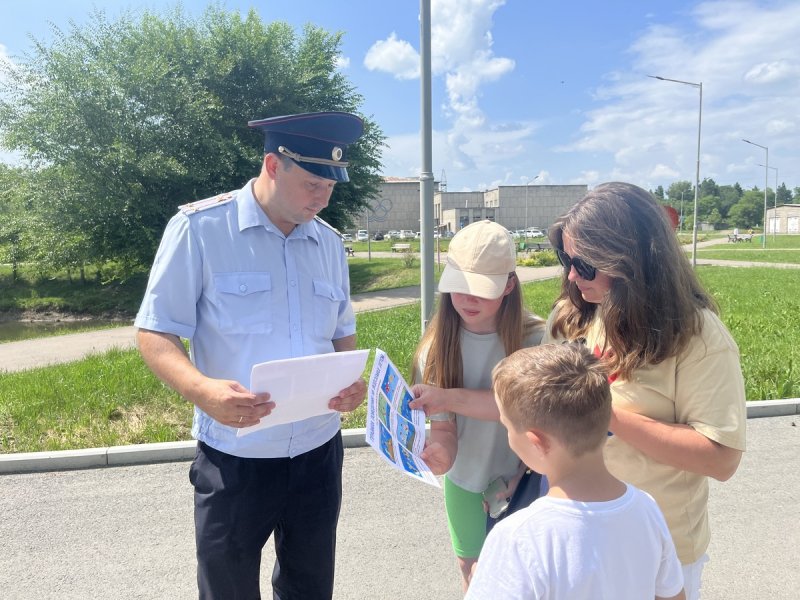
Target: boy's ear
539,440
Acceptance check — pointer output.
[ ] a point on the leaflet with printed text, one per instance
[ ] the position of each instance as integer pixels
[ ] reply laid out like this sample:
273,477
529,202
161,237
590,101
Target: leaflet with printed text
395,431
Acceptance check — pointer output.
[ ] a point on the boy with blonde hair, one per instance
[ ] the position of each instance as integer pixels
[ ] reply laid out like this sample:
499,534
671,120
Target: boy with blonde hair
591,536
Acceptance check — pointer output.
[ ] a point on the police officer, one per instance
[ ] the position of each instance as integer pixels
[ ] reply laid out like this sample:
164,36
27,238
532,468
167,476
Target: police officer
248,277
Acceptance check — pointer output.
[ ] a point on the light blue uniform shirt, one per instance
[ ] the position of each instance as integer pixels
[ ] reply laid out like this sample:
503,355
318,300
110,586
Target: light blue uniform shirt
241,292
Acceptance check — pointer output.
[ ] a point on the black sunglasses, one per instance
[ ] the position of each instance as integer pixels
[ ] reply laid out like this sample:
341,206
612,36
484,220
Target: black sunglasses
582,268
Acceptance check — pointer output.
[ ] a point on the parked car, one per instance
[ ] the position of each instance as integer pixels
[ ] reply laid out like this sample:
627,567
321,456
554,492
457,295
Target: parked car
362,235
417,235
346,237
406,234
378,236
533,232
393,235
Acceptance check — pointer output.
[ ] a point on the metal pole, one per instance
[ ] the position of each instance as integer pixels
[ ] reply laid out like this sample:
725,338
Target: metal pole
697,172
774,202
426,174
775,208
697,180
766,183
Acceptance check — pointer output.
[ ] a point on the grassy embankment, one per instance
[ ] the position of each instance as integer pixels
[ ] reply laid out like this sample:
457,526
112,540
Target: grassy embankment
113,399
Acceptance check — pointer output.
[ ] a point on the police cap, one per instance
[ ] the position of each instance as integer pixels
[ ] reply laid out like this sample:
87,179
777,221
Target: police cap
316,141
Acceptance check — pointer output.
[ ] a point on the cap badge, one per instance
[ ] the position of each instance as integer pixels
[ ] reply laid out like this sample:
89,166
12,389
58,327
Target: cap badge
336,153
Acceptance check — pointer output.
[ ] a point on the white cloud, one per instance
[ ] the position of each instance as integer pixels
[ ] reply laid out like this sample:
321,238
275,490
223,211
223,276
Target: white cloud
342,62
393,56
461,54
743,53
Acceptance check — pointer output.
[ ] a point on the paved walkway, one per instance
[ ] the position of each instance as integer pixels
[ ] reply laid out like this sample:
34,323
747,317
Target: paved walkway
127,533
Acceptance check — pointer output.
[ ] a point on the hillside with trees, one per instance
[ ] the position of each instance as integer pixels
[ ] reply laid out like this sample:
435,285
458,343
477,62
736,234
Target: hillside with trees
120,122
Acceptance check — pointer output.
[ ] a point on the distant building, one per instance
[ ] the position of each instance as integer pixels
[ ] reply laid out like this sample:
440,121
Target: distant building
784,219
513,206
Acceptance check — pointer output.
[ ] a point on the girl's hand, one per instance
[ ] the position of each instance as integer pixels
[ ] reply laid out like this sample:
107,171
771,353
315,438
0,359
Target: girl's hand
437,456
429,398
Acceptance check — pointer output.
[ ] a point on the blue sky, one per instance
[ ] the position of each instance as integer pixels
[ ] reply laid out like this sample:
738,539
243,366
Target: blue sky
553,90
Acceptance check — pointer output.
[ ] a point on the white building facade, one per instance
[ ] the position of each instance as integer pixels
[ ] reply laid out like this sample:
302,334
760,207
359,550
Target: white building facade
784,219
515,206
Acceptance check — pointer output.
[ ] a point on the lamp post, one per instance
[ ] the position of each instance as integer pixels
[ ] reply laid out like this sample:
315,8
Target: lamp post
526,203
766,183
697,171
774,200
682,193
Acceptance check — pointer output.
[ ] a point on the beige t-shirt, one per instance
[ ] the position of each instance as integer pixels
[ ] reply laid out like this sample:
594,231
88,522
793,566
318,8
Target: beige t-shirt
703,387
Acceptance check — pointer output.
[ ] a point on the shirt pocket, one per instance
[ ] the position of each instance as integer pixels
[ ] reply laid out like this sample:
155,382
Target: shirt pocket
327,301
244,302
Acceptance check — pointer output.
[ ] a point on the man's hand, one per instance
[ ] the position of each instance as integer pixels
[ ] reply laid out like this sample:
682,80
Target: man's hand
349,398
232,404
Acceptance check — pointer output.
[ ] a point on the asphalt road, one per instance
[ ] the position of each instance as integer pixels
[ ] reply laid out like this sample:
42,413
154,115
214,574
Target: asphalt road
126,533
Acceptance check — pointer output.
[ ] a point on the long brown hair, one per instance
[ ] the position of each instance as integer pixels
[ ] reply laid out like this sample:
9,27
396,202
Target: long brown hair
440,345
653,307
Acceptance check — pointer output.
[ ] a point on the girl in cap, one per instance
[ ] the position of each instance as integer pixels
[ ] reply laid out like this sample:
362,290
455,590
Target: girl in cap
479,321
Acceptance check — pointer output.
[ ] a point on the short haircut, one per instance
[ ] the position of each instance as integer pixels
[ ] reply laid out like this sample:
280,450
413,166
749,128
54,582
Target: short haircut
559,389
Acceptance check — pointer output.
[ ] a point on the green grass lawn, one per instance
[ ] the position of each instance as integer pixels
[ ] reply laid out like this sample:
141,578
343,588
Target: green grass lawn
112,399
781,249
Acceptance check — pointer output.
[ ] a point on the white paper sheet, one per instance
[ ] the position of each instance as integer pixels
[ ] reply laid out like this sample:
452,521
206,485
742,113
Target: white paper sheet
302,387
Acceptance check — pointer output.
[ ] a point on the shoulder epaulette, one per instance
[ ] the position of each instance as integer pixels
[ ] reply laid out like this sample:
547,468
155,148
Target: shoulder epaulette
328,226
197,206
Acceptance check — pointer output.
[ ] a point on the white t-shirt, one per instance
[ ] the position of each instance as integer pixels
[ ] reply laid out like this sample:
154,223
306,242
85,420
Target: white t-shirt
560,549
702,387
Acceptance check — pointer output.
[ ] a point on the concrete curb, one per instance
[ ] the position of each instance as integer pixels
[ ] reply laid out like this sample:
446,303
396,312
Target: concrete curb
135,454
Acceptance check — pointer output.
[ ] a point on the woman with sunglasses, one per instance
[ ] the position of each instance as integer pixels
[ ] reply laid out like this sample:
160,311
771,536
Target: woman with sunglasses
629,293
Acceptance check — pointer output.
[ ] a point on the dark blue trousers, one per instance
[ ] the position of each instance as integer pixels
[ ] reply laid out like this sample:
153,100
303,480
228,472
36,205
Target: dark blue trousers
240,502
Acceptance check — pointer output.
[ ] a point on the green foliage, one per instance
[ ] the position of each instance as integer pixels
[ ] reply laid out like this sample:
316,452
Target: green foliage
32,291
123,121
761,308
544,258
113,399
748,211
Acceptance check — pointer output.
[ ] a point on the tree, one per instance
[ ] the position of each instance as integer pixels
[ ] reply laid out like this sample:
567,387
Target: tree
728,196
749,211
140,115
14,235
784,195
708,187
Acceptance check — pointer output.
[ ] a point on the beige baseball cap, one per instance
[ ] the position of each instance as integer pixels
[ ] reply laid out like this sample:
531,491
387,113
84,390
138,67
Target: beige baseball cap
479,260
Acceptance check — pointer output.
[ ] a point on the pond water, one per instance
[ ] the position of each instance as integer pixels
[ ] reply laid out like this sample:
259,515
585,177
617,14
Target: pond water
11,331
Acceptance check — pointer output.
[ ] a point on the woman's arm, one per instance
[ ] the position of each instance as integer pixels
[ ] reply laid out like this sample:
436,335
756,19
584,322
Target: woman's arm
675,444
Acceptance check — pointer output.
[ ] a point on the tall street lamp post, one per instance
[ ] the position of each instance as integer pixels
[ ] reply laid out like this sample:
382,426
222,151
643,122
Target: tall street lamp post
682,193
774,201
526,203
766,183
697,171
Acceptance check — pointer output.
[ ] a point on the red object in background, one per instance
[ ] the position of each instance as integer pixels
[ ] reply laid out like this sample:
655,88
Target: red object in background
673,216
